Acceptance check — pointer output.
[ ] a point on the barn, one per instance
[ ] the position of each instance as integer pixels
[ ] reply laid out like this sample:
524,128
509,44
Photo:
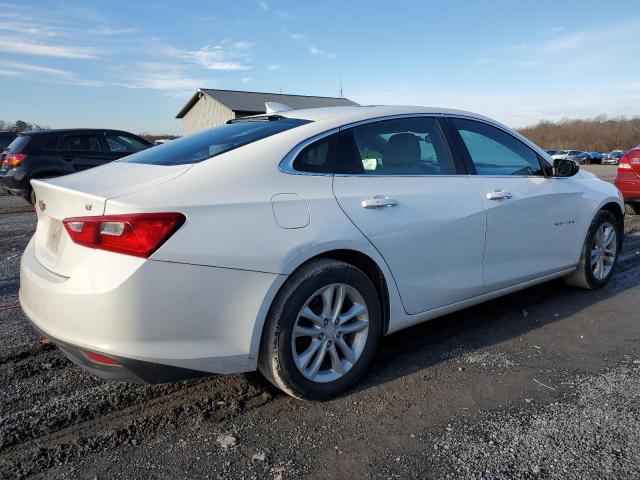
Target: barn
210,107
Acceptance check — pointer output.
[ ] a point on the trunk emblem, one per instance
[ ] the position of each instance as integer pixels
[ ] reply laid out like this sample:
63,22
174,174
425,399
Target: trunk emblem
88,207
42,205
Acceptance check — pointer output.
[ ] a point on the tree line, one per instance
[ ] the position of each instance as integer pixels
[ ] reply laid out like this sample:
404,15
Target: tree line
19,126
600,134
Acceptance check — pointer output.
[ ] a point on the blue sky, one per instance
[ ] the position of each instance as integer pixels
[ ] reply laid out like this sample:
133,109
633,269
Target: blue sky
132,65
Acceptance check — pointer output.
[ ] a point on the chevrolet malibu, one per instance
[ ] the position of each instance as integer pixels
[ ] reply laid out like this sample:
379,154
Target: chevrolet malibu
292,241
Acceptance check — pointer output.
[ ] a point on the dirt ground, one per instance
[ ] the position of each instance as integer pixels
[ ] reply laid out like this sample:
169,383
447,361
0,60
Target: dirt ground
541,384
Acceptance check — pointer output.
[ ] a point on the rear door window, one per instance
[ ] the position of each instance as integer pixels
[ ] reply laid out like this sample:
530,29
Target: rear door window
214,141
50,143
406,146
81,143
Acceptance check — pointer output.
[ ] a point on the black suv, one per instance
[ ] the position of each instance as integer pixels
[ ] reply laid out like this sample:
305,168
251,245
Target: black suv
52,153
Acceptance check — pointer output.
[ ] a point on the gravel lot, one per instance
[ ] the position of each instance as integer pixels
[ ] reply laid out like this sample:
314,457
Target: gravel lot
541,384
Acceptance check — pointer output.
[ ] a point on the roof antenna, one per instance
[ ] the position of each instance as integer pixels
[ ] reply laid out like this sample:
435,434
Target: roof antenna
340,91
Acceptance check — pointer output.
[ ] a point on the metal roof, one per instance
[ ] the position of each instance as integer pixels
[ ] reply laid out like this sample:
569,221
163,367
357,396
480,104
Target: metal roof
253,102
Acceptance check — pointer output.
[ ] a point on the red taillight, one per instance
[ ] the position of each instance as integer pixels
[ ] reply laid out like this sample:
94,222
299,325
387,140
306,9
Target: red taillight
15,159
138,234
96,357
624,163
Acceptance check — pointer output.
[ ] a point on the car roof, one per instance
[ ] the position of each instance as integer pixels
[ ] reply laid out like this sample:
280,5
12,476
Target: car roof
58,131
348,114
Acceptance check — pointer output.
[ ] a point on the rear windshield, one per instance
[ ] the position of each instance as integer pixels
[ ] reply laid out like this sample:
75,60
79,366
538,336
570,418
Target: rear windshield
212,142
18,144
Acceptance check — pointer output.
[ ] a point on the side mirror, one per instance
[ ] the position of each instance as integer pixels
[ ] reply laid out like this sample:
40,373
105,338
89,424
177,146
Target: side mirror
565,168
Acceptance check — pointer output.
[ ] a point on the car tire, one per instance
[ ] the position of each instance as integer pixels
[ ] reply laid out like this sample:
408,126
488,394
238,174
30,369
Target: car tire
591,276
284,357
632,209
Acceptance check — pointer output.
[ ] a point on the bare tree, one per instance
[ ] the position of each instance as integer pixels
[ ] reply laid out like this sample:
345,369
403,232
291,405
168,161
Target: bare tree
601,134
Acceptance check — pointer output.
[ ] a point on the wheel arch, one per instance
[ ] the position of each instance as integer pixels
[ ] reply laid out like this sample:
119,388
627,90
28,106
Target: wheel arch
379,275
616,210
370,268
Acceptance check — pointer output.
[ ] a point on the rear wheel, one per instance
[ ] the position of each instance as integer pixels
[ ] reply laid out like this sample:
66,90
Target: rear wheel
632,208
322,331
599,253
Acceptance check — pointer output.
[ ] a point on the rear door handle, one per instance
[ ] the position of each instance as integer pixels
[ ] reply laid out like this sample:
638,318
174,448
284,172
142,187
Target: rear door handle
379,201
499,195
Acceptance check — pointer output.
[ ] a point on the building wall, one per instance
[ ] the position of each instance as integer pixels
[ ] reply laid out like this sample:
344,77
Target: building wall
206,113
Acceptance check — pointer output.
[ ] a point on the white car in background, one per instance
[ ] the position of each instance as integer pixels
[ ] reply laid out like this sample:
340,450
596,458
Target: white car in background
291,242
613,157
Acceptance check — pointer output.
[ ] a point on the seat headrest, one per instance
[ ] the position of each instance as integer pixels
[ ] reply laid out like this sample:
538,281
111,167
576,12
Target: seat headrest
402,150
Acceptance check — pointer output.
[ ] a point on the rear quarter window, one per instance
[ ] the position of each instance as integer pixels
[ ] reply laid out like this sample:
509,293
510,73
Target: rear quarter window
212,142
19,144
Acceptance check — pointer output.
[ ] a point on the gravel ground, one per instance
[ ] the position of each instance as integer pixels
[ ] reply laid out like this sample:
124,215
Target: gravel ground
540,384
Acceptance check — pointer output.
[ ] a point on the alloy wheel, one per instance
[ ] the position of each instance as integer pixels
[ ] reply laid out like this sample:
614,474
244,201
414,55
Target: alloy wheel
330,333
603,251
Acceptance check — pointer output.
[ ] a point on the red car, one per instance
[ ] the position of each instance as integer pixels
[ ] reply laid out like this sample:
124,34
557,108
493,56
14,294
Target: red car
628,180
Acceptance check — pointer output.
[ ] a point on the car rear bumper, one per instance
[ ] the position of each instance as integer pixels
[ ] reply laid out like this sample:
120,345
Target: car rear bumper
629,185
126,369
162,315
14,182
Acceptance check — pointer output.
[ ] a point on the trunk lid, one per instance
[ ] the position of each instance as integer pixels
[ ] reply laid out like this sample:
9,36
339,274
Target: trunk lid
85,194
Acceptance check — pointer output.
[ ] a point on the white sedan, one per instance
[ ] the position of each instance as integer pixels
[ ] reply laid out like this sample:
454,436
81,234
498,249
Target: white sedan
291,242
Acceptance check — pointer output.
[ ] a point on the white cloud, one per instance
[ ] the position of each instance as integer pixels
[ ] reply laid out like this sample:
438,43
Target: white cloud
518,46
264,6
274,66
242,45
26,28
298,36
563,43
483,61
5,64
219,57
24,47
282,14
247,79
631,87
112,31
527,63
318,51
162,76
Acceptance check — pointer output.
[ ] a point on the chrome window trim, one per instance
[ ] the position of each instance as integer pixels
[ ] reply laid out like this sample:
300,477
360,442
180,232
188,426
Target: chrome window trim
286,164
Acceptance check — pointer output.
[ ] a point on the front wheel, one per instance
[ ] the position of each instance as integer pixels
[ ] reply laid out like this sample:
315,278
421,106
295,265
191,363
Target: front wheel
322,331
599,253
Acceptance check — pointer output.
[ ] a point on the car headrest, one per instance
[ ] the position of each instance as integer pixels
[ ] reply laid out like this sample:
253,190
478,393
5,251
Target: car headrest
402,150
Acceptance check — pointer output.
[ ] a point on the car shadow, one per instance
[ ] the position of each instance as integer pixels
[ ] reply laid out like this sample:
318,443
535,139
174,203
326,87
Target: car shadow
425,345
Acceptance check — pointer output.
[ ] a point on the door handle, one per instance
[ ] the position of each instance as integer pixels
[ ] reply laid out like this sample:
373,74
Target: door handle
499,195
379,201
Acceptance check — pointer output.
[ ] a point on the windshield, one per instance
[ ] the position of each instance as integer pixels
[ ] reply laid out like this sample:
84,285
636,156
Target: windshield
214,141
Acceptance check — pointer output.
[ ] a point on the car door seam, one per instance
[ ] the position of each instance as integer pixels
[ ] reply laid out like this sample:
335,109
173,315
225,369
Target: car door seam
333,178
